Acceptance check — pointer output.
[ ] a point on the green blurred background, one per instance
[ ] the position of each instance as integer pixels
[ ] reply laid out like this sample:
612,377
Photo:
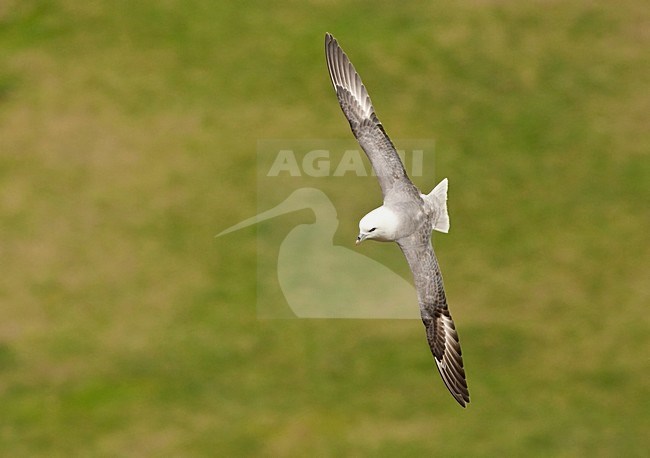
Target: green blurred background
128,138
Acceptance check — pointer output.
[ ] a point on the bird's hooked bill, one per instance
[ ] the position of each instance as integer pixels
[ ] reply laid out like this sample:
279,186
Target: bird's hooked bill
360,238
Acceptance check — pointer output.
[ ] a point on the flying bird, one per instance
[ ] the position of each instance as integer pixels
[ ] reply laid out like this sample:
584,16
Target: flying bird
406,217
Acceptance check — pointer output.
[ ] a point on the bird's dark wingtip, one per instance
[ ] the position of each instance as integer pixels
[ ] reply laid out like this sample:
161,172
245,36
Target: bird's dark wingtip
329,38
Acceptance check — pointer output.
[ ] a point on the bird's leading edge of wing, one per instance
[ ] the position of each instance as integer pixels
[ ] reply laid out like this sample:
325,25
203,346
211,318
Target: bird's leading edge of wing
357,107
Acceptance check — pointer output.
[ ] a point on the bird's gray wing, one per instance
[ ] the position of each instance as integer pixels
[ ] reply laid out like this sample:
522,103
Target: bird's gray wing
357,107
440,328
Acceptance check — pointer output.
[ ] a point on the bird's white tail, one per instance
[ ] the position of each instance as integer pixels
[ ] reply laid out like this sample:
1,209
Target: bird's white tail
438,199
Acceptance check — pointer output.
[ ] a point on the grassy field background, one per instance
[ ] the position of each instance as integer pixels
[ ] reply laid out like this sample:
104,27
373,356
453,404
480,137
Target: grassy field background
128,138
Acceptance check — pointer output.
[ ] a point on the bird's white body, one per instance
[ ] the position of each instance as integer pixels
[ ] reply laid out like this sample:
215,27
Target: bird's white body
389,223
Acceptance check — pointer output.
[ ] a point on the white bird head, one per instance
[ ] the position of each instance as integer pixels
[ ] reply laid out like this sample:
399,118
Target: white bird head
380,224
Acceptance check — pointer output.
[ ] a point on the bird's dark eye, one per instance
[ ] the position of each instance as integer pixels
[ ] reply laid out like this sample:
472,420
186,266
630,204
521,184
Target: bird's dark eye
372,230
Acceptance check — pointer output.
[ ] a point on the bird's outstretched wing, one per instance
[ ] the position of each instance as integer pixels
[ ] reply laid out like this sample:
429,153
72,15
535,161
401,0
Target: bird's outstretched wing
440,329
357,107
